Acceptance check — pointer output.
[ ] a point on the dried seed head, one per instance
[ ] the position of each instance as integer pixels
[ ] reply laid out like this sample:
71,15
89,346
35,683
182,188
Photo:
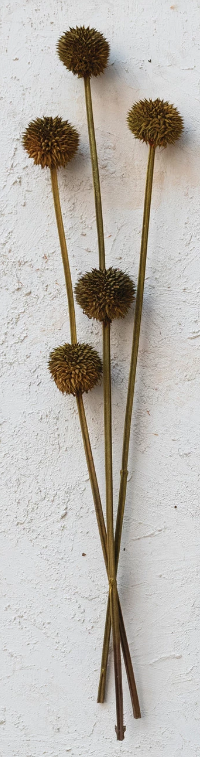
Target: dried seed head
83,51
105,295
50,141
156,122
75,368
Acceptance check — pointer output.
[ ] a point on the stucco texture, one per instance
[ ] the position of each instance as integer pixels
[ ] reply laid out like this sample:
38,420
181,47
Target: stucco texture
53,597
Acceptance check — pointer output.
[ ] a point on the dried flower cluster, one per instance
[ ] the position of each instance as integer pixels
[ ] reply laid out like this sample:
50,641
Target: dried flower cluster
83,51
155,122
105,295
51,142
75,368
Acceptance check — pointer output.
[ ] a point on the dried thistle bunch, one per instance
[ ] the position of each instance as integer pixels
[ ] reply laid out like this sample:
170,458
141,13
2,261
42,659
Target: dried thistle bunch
75,368
51,142
105,295
83,51
155,122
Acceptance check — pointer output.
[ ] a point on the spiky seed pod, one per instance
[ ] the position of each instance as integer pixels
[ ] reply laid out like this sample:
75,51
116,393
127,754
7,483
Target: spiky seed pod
155,122
105,295
75,368
50,141
83,51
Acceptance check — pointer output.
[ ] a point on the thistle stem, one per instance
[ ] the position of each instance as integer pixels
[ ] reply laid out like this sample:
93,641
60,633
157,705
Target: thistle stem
129,404
92,475
83,424
95,173
103,537
65,259
114,611
135,347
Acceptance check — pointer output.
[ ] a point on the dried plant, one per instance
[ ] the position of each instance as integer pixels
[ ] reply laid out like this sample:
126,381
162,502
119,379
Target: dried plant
153,128
87,58
64,372
103,294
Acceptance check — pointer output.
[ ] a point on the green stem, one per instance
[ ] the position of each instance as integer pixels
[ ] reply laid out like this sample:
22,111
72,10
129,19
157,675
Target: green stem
92,475
65,259
95,173
79,398
129,404
135,347
114,610
103,537
83,424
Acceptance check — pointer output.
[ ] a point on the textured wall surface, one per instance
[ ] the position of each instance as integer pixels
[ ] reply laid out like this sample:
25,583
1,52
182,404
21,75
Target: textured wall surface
53,598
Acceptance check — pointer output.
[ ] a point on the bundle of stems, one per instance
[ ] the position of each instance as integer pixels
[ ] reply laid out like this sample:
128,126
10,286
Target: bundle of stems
157,123
103,294
106,539
85,52
129,407
38,132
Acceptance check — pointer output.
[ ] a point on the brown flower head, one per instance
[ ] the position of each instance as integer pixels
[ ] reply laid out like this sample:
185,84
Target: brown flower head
50,142
75,368
105,295
155,122
83,51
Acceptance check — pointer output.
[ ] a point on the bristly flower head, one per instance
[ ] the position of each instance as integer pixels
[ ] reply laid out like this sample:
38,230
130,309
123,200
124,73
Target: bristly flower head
50,142
75,368
83,51
105,295
155,122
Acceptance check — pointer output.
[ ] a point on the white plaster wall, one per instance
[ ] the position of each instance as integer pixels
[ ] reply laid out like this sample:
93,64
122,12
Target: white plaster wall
52,598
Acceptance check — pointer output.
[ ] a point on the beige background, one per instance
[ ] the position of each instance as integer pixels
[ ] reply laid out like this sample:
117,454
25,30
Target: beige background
53,599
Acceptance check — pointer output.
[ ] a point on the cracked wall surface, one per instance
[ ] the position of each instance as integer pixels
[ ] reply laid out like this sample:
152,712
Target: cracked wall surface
53,582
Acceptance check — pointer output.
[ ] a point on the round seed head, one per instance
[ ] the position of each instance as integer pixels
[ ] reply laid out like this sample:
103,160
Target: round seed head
50,142
105,295
75,368
155,122
83,51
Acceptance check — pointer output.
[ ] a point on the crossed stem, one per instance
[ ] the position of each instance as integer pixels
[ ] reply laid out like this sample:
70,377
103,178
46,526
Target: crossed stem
129,407
114,613
87,445
107,420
